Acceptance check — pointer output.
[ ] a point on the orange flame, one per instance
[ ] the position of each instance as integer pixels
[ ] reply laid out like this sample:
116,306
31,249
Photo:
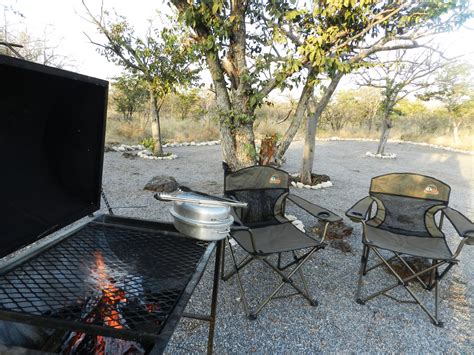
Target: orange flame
111,294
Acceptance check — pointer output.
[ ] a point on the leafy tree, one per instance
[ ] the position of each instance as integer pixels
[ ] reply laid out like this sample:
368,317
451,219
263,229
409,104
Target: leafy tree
399,25
254,46
162,59
186,102
453,87
130,95
349,107
399,77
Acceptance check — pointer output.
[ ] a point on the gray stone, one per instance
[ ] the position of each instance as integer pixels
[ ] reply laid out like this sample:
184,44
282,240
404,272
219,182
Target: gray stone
341,245
162,183
130,155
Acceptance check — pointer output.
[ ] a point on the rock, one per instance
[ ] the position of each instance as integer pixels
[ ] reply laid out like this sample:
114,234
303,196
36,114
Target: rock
336,230
317,178
342,245
307,186
299,185
109,148
162,183
130,155
293,183
415,262
326,184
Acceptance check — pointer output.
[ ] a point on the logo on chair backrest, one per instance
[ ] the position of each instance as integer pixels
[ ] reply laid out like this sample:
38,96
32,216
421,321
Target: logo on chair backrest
431,189
275,179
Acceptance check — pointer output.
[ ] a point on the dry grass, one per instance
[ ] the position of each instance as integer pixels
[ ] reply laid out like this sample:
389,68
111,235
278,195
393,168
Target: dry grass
198,131
189,130
172,131
124,132
466,137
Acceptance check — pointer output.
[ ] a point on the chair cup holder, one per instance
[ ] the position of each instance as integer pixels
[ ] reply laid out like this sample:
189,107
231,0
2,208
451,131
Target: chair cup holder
323,215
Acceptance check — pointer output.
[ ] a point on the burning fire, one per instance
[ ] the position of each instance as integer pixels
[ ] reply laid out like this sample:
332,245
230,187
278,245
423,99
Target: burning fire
105,310
111,295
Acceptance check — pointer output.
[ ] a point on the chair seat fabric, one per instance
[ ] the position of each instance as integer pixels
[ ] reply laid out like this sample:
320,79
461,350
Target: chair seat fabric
427,247
275,238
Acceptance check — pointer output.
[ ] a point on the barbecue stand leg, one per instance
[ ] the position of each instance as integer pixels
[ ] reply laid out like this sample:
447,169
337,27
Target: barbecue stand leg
215,287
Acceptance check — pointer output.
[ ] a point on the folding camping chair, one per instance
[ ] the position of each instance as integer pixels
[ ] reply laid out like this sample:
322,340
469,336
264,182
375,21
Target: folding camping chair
405,223
262,230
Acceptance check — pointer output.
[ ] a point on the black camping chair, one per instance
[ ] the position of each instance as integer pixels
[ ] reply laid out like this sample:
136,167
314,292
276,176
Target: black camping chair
405,223
262,230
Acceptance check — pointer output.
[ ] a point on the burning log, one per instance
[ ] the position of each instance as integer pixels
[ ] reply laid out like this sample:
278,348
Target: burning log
105,310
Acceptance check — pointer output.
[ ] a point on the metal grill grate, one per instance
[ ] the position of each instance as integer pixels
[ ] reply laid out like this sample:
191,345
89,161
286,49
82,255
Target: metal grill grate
118,281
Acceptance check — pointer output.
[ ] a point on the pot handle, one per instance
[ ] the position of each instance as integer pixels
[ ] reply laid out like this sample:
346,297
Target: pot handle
217,202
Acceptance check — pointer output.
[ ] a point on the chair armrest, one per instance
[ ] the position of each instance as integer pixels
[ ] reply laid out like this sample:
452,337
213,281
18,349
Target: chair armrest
461,223
359,211
242,228
314,210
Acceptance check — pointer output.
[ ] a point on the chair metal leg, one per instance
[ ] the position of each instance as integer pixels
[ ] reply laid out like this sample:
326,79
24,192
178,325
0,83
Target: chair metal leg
425,286
285,281
239,281
362,272
404,283
436,286
240,266
303,279
289,281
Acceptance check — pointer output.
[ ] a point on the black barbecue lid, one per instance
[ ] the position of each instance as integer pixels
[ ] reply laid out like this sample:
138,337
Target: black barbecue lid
52,131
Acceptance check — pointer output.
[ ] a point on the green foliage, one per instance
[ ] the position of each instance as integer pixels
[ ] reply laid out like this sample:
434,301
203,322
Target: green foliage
359,107
162,58
186,105
250,150
324,35
453,88
149,143
129,95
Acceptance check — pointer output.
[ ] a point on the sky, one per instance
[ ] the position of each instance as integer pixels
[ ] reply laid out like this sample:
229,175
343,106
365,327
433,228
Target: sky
65,25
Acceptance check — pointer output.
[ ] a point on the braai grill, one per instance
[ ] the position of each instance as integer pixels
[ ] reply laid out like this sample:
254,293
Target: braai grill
130,275
111,276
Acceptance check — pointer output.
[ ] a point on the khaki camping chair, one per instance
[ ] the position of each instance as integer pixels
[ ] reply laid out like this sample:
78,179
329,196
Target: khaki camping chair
404,223
262,230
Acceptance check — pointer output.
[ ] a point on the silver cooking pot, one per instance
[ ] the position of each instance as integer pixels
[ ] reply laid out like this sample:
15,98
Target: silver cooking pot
201,216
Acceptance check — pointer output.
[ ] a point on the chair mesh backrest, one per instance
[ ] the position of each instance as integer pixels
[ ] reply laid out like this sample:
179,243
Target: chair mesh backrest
407,203
263,188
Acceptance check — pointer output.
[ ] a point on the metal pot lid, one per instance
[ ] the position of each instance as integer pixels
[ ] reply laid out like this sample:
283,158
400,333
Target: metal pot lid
200,211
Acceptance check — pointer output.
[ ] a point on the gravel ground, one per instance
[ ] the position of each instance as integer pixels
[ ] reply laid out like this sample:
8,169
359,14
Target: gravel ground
338,324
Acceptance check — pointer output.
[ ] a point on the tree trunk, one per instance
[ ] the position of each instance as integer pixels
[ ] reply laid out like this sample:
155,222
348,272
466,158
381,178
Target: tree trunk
298,118
308,151
155,124
310,138
456,132
245,151
386,126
